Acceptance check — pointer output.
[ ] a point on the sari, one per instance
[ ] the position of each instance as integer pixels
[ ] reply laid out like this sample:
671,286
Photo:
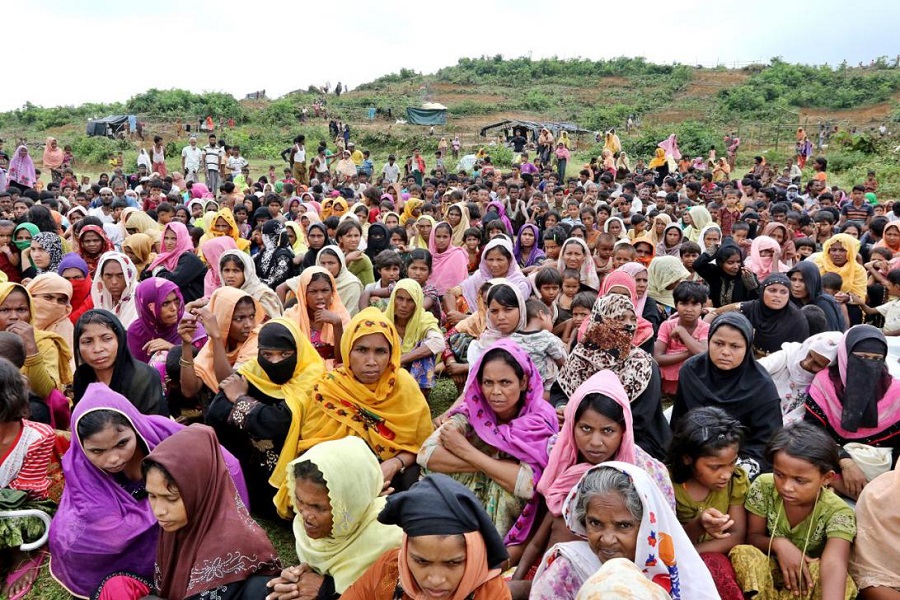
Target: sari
349,287
773,327
148,299
265,295
448,268
411,205
125,309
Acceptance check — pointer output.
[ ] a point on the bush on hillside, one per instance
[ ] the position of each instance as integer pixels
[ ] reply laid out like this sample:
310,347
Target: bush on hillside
185,104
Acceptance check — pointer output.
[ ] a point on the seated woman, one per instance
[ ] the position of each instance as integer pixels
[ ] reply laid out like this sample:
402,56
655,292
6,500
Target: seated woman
348,236
349,288
212,251
806,288
597,427
51,298
450,548
114,284
793,368
874,555
794,518
449,263
621,513
160,308
208,544
775,319
608,344
576,255
622,282
729,281
858,402
230,319
728,376
105,493
223,224
92,244
45,253
370,396
336,495
528,254
506,314
495,442
263,403
237,270
643,306
178,263
74,270
139,248
47,355
420,333
838,255
28,449
275,262
663,274
319,313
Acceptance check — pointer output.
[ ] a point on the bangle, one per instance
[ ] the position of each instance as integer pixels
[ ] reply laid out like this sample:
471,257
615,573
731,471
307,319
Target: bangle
402,464
185,363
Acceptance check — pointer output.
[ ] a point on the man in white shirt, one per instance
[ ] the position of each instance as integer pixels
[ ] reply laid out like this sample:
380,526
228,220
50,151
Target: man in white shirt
213,156
236,162
191,156
391,170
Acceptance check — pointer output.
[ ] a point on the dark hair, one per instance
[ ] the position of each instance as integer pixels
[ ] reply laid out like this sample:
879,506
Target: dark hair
689,292
585,299
815,317
603,404
149,464
346,226
807,442
387,258
877,225
689,248
231,258
496,224
701,432
804,242
535,308
308,471
894,276
444,224
420,254
319,276
41,218
13,393
554,234
740,226
503,251
331,222
855,224
548,276
472,232
832,281
504,295
12,348
95,421
501,354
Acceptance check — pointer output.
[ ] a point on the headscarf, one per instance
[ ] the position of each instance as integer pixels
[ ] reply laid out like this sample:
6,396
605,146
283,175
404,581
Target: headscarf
212,250
565,468
662,249
763,267
450,267
125,309
143,223
700,218
183,245
220,544
391,417
21,168
438,505
623,234
222,303
411,205
622,579
349,287
790,378
607,344
81,288
354,481
853,273
25,244
379,239
265,295
588,272
141,245
663,217
634,269
664,553
702,237
52,245
875,553
670,146
235,234
417,241
107,246
275,248
458,238
421,321
501,214
299,312
471,286
147,326
658,160
491,334
772,327
663,272
882,243
535,255
299,246
858,399
50,315
788,250
620,278
645,239
123,530
813,281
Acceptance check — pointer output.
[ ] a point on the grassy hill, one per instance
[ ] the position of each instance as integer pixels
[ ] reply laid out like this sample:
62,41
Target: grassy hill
764,104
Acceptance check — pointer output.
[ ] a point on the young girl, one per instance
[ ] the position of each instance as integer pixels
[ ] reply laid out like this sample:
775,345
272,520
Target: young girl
571,285
419,269
796,519
472,239
709,490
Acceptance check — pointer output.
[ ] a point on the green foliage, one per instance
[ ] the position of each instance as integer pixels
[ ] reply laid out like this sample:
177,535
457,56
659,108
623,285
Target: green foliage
96,150
377,84
38,117
694,139
185,104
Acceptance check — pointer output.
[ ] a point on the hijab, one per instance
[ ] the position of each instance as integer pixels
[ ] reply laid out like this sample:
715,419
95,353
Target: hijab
349,287
625,280
662,218
123,530
700,218
91,259
411,205
220,544
52,245
535,255
703,232
299,246
450,267
265,295
378,239
658,160
788,250
491,334
813,281
882,243
21,168
853,273
50,315
761,266
354,481
459,232
663,272
183,245
773,327
438,505
634,269
623,234
471,286
81,288
141,245
662,249
645,239
235,232
148,326
212,250
125,309
587,274
421,321
300,313
25,244
417,241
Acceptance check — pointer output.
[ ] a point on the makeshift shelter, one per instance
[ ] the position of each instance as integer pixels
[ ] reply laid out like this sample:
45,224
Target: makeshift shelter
531,129
113,126
431,113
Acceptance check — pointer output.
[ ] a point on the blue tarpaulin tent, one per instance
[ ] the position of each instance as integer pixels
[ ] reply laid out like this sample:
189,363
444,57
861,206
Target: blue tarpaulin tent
429,114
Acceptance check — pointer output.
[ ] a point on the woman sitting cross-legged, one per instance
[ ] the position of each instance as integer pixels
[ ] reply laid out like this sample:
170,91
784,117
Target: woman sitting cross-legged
420,333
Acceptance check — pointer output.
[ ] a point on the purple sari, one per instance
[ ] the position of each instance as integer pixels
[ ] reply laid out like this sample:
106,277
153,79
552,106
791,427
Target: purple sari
100,527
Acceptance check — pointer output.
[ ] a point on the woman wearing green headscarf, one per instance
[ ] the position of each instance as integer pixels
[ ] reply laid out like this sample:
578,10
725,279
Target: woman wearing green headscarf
22,235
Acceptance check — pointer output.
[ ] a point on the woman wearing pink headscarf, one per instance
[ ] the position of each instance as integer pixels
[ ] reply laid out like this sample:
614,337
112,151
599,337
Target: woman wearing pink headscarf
21,169
670,145
449,263
53,159
212,251
178,263
765,258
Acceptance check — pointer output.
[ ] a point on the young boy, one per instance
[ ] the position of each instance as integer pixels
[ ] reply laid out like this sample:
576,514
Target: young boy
831,285
582,304
545,349
638,226
623,254
387,265
805,247
690,252
603,254
548,281
571,285
731,212
683,335
740,233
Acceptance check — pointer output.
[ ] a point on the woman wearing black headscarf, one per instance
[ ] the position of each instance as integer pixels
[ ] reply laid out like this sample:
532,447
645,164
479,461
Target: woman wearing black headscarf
773,318
728,377
806,288
316,238
378,240
274,264
729,281
101,353
450,548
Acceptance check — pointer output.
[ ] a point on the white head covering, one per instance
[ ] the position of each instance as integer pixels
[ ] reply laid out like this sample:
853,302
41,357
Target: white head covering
588,272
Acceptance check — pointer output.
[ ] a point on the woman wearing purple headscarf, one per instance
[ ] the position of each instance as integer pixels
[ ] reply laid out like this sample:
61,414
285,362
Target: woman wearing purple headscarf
495,442
104,523
160,308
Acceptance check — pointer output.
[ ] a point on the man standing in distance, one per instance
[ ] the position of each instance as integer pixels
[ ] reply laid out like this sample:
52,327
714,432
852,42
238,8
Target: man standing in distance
213,156
191,156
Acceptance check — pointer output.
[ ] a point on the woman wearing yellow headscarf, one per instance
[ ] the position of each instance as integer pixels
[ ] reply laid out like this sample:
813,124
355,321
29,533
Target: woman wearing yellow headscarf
409,210
223,223
839,256
327,206
419,331
340,207
140,222
299,244
458,218
47,355
658,160
700,218
371,397
51,298
139,248
419,240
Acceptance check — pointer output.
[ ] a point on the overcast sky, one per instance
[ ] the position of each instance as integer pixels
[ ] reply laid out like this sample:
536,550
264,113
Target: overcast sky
101,51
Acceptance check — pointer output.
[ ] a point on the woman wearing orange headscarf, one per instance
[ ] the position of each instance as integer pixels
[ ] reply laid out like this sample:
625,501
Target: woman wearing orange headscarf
224,224
319,312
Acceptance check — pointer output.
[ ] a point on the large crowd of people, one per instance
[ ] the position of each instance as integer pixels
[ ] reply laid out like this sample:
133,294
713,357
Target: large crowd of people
670,381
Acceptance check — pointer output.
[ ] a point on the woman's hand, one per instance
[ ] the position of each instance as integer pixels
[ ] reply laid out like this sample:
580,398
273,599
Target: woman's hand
389,470
25,331
793,564
186,329
454,317
209,322
561,415
454,441
234,386
853,478
284,587
326,316
715,523
157,345
353,256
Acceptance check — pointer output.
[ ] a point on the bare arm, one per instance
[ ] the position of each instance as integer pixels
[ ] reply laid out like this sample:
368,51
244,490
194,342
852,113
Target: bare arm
833,569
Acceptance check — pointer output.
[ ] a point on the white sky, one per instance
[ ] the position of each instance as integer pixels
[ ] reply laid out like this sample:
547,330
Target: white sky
103,50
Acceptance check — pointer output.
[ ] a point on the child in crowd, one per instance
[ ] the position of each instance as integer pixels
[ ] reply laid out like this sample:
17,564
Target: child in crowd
805,247
603,254
582,304
889,310
419,270
624,253
472,240
546,350
548,281
387,265
571,285
683,335
690,252
740,234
